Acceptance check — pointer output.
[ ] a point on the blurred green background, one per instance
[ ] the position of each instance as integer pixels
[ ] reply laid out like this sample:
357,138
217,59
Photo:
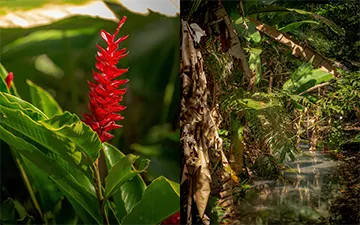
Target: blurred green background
59,56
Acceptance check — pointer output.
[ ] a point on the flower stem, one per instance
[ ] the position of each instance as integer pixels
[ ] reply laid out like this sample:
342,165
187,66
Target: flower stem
99,195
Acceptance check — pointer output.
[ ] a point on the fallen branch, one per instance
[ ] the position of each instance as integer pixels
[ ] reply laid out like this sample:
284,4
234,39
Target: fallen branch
313,88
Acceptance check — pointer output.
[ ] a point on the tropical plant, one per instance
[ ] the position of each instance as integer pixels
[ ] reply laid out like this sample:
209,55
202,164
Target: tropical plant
264,86
70,173
341,110
56,154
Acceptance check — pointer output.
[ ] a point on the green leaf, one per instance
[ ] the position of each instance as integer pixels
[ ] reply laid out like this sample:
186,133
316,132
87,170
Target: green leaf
43,100
302,71
3,86
318,76
255,36
296,101
122,172
130,193
274,9
74,184
80,207
295,25
56,146
68,140
305,78
7,212
194,7
13,212
248,5
254,104
20,209
14,102
48,194
112,213
170,8
250,32
160,200
66,214
357,138
41,12
70,126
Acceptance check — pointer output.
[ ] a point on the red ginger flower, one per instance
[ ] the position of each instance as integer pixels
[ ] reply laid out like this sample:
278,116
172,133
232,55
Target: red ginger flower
174,219
105,95
9,78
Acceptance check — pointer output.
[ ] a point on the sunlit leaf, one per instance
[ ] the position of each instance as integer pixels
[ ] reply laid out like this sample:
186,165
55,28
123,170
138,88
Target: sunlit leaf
35,13
166,7
305,78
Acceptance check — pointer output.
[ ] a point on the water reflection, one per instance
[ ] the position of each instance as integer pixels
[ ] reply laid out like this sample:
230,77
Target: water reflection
301,197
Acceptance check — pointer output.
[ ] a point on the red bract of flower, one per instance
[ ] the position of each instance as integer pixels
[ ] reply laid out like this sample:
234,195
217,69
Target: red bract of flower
174,219
9,78
104,94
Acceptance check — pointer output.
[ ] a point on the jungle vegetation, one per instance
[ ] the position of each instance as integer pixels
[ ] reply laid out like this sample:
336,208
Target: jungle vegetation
259,80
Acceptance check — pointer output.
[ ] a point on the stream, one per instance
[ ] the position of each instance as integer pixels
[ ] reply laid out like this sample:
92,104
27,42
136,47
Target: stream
303,196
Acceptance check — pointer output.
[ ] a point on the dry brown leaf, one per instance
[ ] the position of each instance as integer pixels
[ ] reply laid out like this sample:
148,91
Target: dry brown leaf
200,125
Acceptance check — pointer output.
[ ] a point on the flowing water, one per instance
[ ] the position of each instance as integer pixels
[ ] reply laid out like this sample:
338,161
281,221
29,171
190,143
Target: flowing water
303,196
